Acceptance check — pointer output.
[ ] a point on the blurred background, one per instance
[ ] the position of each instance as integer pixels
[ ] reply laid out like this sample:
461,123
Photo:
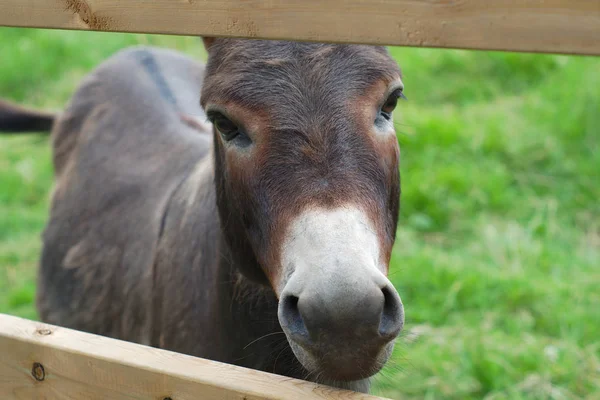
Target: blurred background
498,252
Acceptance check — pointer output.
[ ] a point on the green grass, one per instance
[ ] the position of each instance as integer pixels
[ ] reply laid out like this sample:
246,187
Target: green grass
498,251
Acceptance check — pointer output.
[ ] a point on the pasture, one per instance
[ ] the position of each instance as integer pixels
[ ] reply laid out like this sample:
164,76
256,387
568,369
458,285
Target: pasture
497,257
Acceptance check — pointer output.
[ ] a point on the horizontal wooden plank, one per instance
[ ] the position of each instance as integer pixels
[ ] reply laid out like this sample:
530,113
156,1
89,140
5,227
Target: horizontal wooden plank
41,361
553,26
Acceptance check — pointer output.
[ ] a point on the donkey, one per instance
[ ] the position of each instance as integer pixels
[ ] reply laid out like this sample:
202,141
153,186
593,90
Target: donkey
242,211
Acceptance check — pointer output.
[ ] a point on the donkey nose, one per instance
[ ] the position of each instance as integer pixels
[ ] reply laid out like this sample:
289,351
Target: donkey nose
371,314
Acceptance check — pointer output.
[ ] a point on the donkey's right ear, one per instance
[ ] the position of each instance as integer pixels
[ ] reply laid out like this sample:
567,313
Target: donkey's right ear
208,41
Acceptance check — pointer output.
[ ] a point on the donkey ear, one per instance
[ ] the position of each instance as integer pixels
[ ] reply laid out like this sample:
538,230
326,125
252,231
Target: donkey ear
208,41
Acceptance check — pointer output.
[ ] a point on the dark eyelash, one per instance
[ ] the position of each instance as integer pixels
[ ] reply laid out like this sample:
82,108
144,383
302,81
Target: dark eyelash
396,93
399,93
211,115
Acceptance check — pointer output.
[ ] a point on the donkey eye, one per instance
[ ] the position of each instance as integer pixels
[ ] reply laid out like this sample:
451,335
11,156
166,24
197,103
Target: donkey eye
226,128
390,104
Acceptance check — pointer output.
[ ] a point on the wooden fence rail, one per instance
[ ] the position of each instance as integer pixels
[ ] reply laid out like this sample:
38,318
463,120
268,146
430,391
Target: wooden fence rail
41,361
551,26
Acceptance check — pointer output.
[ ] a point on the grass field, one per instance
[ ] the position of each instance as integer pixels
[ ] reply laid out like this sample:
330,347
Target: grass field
498,251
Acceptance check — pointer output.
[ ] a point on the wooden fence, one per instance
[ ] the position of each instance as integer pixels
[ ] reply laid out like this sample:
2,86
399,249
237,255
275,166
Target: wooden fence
40,361
555,26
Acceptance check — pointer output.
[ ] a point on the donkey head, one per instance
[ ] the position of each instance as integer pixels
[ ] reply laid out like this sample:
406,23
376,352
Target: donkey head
306,162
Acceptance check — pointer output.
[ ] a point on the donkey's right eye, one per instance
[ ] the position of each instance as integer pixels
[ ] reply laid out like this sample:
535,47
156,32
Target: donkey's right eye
226,128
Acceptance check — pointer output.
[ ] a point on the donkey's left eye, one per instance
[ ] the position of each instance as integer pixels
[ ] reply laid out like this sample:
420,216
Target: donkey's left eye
226,128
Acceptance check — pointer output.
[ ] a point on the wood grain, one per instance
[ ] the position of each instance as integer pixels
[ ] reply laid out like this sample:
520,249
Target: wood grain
76,365
552,26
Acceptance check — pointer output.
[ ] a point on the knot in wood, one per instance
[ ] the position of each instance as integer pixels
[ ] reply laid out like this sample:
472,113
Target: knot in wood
37,371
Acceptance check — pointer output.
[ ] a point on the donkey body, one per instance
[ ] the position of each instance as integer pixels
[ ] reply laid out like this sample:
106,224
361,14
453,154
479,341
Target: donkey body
122,153
150,241
132,246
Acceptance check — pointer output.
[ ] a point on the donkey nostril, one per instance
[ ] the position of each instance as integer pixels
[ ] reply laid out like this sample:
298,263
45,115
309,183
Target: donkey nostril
391,317
293,318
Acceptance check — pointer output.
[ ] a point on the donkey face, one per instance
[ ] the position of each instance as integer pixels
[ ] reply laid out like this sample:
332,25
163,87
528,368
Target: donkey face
308,190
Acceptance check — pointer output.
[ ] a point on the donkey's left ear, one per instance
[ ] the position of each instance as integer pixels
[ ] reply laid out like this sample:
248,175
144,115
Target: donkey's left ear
208,41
